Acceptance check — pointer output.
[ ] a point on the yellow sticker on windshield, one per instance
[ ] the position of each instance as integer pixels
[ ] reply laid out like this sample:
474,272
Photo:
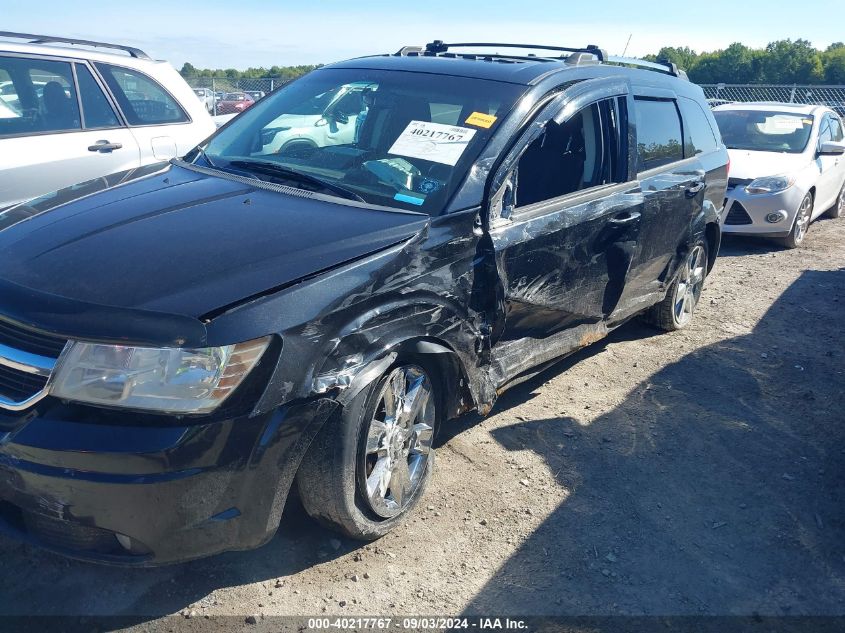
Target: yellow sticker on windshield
480,119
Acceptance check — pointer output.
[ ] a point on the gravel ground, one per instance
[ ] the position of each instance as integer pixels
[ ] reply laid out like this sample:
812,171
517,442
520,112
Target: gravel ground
699,472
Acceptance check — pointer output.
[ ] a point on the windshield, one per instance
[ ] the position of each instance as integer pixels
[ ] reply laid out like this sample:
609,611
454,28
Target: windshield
389,138
764,131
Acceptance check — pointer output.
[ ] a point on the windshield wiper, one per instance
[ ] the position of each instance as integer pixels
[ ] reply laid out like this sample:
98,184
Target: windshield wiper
287,173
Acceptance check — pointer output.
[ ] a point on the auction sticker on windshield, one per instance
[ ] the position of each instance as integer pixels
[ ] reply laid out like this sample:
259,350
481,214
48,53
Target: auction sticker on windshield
433,141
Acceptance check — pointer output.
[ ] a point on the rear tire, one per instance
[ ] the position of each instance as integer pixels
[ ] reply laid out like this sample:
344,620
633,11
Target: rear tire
370,464
838,208
801,225
676,310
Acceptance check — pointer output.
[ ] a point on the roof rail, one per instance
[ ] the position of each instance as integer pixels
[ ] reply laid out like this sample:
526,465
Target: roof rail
406,50
662,65
439,46
49,39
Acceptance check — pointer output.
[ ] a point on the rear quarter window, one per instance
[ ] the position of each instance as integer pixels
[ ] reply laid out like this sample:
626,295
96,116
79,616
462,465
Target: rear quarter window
143,101
658,133
699,137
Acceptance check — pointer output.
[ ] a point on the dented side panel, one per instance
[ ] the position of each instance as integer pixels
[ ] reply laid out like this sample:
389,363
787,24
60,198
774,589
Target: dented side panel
563,269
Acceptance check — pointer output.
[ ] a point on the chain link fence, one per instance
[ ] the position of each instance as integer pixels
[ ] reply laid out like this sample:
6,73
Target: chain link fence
832,96
223,95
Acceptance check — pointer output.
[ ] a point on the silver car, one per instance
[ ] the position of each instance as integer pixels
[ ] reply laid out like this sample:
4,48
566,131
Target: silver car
787,168
206,96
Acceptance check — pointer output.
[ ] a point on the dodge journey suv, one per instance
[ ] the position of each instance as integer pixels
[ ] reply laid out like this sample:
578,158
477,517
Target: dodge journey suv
182,344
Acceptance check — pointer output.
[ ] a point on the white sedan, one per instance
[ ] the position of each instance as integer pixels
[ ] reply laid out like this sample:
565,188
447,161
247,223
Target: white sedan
787,168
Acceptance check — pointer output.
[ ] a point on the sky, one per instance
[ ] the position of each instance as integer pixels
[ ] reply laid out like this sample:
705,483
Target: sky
250,33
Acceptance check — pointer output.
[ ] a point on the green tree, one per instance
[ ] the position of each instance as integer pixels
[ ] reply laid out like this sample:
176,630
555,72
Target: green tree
834,65
792,62
684,57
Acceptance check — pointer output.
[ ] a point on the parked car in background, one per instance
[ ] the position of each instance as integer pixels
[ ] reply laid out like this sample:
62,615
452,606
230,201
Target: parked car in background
78,113
330,118
787,168
206,96
256,94
180,350
234,103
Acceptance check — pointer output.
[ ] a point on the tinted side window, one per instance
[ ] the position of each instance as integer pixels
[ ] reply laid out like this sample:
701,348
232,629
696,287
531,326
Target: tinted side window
824,131
37,96
142,100
579,154
95,107
836,129
698,135
658,133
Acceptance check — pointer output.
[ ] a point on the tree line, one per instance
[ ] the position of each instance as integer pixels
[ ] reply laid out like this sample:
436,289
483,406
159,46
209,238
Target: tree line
780,62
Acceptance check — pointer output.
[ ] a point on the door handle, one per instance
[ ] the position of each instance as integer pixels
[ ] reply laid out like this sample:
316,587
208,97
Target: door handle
694,189
624,219
104,146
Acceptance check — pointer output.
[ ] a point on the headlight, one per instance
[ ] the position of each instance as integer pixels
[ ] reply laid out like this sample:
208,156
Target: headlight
769,184
171,380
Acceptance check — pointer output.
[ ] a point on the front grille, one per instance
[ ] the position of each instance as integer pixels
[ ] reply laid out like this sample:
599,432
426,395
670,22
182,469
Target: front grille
738,215
29,340
17,385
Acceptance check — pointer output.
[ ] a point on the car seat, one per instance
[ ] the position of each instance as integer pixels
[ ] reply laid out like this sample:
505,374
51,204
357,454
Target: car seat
553,165
59,110
387,117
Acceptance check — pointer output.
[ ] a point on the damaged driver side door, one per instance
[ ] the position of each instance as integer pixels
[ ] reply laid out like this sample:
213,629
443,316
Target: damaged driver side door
564,220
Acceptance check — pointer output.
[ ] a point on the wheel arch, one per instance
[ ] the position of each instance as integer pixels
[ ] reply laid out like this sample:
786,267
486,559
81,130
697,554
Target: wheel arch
436,355
713,239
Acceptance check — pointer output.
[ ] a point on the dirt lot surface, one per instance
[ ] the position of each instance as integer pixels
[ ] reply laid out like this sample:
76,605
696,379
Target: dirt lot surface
699,472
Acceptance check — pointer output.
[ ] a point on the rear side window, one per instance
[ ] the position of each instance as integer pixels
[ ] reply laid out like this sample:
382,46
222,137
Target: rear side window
96,108
698,135
142,100
37,96
658,133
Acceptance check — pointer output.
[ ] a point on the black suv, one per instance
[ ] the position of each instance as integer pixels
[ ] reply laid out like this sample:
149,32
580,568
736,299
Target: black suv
370,251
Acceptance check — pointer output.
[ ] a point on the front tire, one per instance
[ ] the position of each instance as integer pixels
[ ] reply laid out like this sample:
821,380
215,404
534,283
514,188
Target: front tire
676,310
801,225
370,464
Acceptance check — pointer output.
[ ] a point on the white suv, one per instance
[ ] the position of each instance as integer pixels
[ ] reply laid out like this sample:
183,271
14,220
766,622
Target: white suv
71,114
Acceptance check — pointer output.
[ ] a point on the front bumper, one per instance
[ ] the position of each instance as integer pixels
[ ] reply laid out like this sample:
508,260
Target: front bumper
745,214
142,490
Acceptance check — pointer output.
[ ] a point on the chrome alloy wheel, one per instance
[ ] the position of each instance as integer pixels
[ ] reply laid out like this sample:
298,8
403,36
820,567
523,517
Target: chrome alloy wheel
802,222
840,203
398,441
690,283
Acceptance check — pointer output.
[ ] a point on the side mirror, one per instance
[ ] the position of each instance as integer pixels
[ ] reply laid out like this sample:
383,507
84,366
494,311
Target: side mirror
832,148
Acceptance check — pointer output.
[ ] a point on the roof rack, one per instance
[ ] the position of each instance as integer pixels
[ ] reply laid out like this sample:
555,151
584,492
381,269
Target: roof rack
662,65
590,54
439,46
49,39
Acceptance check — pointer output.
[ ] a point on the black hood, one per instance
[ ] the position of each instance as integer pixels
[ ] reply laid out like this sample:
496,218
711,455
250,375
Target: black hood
177,241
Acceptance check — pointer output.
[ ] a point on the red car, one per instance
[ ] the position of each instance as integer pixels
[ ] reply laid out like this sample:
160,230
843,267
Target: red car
234,103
